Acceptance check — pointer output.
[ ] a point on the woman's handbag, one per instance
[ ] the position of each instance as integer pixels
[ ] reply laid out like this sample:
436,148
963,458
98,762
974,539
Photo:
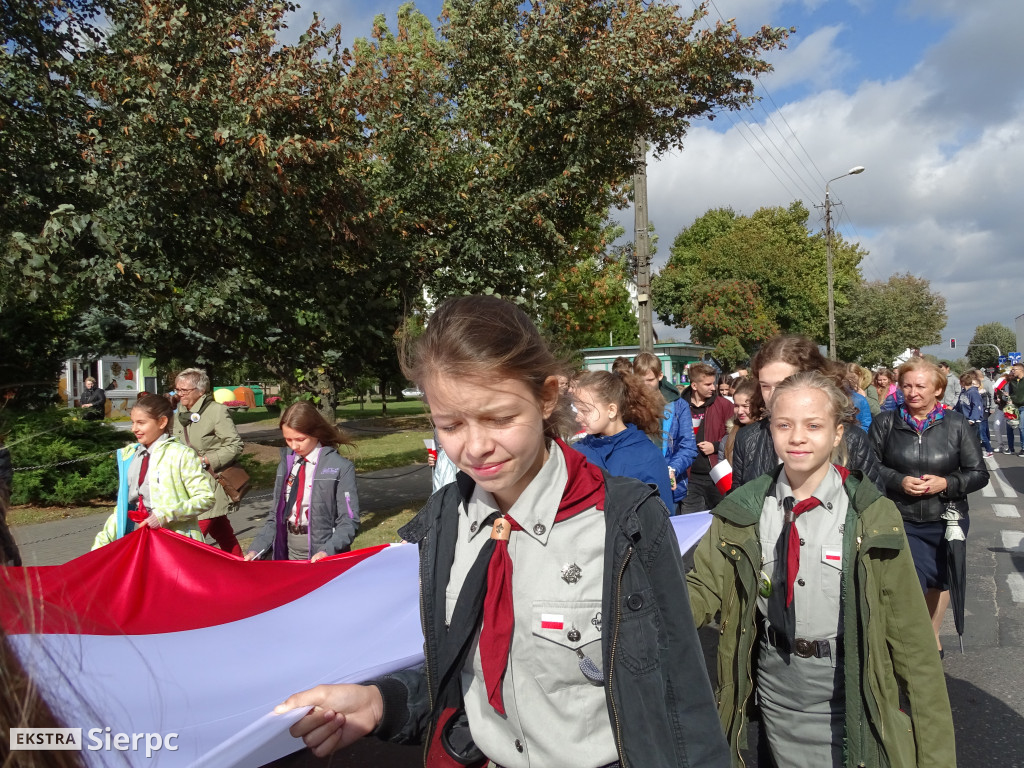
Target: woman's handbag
235,482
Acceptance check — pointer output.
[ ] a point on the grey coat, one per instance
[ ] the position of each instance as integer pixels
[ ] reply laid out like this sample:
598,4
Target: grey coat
333,510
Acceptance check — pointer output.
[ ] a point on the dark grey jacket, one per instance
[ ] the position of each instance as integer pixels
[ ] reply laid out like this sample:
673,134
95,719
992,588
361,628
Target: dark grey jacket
754,454
333,510
948,448
656,683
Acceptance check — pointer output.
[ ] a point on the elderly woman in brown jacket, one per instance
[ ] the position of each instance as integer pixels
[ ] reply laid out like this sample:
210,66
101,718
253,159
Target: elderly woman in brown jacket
205,425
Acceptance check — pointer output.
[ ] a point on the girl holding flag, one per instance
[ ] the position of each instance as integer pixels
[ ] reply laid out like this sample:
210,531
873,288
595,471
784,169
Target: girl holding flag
315,512
821,619
557,629
161,482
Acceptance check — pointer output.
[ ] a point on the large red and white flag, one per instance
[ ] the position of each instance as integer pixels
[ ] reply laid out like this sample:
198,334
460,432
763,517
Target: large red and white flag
156,634
1000,383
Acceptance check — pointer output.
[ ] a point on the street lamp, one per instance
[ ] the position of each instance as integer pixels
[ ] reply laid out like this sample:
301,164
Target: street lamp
828,246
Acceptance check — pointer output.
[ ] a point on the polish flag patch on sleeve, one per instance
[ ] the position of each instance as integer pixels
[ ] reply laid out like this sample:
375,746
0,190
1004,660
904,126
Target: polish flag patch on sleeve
833,555
552,621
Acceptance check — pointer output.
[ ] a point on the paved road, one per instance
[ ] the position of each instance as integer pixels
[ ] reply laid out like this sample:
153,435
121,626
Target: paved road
57,542
986,683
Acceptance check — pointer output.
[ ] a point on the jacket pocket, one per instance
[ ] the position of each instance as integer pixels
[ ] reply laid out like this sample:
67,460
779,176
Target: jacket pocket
561,632
831,571
639,630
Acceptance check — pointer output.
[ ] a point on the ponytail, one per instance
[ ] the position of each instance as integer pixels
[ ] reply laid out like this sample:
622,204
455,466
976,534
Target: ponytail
637,403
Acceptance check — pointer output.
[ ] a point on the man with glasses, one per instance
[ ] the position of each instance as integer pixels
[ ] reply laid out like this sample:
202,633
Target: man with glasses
205,425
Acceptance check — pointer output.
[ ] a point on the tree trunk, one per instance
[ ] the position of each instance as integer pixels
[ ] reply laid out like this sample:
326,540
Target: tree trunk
383,397
328,396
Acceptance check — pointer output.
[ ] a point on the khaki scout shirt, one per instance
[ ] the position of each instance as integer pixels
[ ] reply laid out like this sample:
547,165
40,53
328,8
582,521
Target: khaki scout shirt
555,716
819,580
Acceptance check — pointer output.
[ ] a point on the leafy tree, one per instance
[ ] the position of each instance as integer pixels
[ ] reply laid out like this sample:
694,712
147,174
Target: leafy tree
523,132
752,277
881,320
981,356
40,159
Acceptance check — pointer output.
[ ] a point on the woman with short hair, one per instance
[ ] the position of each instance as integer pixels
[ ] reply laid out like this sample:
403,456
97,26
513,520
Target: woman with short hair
931,460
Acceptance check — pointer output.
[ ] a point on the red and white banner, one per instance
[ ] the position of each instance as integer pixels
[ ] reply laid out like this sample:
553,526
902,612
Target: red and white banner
721,475
159,634
1000,383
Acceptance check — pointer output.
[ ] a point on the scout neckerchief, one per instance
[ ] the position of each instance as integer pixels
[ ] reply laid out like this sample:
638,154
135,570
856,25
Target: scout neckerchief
781,612
584,489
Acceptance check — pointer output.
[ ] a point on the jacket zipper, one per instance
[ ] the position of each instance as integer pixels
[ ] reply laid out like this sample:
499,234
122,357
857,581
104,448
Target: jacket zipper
611,661
426,664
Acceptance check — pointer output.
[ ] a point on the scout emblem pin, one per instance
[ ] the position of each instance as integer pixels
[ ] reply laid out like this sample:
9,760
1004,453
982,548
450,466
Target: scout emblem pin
501,531
571,573
764,585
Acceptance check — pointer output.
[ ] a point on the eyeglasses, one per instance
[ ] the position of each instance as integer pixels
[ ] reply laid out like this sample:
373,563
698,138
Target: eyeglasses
185,391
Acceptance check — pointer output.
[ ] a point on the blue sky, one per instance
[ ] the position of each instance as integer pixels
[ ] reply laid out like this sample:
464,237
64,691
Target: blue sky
926,94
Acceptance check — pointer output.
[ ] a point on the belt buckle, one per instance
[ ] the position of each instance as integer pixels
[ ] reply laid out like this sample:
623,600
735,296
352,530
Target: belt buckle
804,648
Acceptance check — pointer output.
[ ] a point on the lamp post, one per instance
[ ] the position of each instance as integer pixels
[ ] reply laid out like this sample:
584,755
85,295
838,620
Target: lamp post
828,246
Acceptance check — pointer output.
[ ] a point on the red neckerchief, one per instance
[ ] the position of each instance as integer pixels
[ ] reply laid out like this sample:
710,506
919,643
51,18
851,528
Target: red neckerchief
584,489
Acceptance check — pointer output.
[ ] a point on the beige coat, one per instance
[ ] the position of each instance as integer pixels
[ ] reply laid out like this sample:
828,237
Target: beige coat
214,438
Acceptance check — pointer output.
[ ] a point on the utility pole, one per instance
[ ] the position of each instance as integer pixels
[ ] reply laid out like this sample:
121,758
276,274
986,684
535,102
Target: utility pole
828,247
641,245
831,294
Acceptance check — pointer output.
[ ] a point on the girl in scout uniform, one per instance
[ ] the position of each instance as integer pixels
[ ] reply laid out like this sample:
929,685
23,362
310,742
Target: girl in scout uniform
557,631
315,512
161,482
810,569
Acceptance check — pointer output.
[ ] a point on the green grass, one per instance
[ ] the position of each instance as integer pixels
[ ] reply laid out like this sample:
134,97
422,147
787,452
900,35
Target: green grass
30,515
381,527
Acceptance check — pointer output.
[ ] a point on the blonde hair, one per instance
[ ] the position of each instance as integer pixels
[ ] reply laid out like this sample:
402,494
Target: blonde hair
840,405
921,364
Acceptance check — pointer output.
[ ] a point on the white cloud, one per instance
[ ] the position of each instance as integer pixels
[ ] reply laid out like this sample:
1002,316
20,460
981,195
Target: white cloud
944,151
813,59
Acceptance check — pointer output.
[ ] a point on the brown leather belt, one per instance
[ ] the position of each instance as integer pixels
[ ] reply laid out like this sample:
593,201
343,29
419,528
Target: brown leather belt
298,530
805,649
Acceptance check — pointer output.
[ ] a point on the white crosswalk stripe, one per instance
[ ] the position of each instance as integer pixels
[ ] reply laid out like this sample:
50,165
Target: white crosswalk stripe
1013,540
989,490
996,474
1015,581
1005,510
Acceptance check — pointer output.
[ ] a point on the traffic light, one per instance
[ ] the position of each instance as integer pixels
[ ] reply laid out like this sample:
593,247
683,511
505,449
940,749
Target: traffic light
952,343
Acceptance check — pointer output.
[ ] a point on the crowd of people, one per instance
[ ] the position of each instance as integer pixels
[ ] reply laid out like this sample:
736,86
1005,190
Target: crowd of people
560,625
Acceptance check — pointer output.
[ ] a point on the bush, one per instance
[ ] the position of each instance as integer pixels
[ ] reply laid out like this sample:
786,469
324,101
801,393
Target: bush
51,437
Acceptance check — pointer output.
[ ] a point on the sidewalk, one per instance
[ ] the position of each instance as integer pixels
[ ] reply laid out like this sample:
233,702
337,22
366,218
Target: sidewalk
59,541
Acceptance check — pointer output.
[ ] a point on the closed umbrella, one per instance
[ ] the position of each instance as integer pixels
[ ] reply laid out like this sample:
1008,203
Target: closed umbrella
956,567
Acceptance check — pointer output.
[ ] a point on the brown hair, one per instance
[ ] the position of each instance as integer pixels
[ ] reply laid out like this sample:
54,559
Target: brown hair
637,403
969,379
922,364
156,407
304,417
622,365
798,351
488,337
646,362
701,370
745,386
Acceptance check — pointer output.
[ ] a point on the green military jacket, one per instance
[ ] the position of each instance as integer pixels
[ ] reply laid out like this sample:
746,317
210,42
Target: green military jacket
889,643
214,437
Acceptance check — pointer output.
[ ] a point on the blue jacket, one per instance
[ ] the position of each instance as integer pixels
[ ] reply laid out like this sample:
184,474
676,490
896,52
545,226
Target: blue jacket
680,444
863,410
969,404
630,453
893,401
